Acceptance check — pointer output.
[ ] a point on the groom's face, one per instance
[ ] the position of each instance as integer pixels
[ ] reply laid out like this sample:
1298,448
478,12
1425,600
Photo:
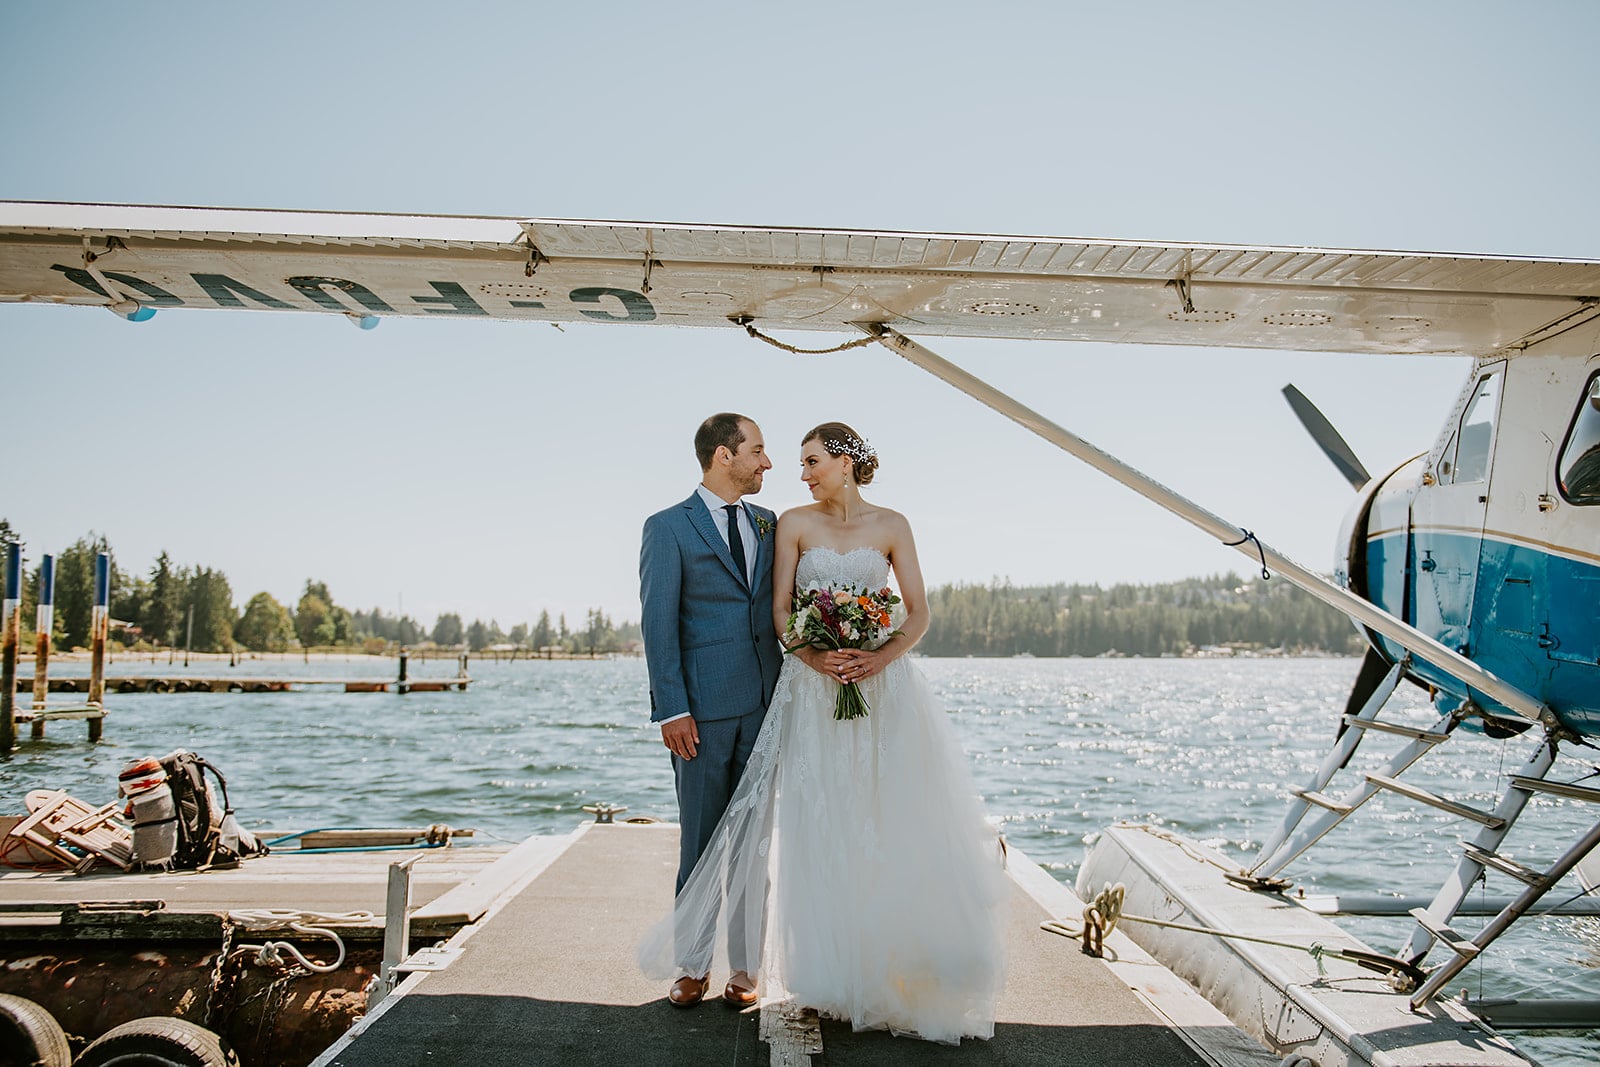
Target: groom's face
750,462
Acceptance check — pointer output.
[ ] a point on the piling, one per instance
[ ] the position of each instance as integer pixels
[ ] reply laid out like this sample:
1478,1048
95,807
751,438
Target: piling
11,625
44,624
99,627
400,683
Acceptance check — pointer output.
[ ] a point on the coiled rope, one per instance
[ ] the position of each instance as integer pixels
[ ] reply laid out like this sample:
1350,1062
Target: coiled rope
308,923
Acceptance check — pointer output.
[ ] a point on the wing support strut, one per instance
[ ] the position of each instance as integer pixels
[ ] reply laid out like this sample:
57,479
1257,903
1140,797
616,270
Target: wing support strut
1342,600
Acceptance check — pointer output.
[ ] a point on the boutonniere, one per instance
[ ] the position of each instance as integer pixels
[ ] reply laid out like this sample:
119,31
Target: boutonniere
764,526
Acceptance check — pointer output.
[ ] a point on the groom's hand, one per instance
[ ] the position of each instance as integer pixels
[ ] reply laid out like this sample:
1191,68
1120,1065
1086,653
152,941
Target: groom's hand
682,736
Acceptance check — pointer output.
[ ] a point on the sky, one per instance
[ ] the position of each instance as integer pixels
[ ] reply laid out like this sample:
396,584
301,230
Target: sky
501,470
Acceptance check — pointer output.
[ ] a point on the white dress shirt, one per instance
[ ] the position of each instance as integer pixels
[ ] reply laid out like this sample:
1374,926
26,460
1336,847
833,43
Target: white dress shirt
747,535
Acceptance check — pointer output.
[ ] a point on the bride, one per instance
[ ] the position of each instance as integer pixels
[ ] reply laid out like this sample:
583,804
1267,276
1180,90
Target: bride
854,856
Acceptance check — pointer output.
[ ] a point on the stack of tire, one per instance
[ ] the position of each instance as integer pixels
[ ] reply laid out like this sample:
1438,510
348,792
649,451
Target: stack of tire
30,1037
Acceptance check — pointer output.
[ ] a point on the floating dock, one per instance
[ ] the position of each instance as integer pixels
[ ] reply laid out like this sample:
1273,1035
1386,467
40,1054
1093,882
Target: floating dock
183,683
536,965
548,976
526,955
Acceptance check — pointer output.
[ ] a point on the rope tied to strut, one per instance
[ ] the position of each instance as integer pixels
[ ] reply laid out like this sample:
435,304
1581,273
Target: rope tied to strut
749,328
1101,915
1266,575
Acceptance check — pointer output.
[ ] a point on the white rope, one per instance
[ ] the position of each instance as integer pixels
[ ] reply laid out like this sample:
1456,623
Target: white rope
307,923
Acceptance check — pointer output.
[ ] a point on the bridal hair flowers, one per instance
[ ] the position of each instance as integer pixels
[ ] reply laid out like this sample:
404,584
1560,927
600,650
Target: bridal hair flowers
858,449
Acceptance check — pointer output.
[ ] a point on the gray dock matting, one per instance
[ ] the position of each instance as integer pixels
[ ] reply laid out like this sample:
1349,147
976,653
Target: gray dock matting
550,979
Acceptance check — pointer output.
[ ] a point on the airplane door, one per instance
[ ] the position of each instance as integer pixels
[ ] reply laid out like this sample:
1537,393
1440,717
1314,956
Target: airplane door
1448,518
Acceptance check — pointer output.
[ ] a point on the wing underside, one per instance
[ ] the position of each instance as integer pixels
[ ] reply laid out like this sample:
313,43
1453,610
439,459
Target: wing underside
551,270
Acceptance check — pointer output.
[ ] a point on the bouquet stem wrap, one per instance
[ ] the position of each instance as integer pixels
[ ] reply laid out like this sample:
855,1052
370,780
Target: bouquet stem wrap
838,618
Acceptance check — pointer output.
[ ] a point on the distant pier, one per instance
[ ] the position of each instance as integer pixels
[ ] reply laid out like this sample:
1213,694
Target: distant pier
187,684
184,683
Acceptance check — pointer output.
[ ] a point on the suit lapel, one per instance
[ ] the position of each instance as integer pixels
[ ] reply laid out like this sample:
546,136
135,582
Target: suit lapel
761,548
701,518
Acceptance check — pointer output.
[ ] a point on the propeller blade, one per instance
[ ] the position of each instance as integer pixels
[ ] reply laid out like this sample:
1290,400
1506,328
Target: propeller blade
1327,438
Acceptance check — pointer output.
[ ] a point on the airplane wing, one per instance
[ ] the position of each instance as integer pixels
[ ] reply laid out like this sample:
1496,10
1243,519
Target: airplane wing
960,285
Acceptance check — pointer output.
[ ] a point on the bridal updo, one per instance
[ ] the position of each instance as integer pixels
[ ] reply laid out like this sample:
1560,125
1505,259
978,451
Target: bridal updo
840,440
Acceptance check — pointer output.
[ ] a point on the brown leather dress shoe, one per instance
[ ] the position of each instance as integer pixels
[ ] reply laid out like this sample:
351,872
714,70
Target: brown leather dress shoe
688,991
740,992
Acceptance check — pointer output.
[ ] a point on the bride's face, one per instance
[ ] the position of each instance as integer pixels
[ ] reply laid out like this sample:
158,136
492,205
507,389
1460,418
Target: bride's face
823,474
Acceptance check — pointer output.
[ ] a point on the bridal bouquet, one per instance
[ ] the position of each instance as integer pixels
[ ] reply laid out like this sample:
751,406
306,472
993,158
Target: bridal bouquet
833,619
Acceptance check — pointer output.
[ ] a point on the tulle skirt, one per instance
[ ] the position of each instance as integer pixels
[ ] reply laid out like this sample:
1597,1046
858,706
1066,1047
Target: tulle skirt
856,864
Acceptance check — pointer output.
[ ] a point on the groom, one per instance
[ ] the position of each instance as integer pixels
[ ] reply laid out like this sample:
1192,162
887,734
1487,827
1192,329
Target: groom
705,582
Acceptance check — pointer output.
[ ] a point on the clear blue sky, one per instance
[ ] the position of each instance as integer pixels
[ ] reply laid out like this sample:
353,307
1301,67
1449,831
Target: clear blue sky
499,470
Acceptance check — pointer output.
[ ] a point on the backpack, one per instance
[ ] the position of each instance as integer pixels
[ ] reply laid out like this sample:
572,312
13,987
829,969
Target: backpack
208,835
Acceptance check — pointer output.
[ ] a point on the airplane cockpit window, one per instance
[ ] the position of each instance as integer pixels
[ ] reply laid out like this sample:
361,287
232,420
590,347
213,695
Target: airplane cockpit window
1579,466
1471,461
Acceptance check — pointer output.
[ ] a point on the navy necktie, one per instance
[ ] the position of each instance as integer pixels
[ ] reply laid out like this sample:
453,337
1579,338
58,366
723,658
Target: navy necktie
735,541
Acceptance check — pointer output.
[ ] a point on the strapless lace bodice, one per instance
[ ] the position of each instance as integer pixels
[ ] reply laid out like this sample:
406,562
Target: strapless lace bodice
864,568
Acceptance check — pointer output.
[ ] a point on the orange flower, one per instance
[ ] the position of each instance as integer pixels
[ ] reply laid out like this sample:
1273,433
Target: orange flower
863,601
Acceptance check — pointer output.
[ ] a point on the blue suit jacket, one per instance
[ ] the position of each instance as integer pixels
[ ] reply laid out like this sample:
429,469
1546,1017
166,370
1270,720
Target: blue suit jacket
708,639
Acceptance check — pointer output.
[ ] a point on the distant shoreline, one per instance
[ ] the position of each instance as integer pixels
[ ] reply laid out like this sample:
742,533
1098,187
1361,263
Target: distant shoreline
521,655
164,656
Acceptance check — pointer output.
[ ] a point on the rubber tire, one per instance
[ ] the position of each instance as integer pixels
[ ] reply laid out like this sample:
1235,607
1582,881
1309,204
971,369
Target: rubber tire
30,1036
158,1042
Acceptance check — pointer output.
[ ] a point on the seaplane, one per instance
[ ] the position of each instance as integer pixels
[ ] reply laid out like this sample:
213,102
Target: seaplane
1472,570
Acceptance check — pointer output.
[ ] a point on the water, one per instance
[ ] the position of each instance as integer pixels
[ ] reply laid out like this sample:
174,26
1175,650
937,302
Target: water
1060,749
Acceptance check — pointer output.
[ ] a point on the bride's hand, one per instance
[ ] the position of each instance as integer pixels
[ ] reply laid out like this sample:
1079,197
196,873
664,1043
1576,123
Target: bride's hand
830,662
860,664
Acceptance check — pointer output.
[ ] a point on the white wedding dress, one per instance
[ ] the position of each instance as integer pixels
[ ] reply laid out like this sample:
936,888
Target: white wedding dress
887,901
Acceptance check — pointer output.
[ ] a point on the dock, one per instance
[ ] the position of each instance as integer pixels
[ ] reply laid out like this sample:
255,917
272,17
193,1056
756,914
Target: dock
527,956
183,683
548,976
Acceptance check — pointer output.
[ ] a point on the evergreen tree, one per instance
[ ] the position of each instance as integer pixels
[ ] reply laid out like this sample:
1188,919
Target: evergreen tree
543,635
212,601
447,630
597,632
74,590
164,607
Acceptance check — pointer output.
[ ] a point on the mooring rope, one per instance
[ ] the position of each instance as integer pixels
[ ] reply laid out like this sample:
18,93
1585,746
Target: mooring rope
1101,915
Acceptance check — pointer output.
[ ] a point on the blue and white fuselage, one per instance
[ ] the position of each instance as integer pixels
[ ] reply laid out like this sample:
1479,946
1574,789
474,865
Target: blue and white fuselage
1490,542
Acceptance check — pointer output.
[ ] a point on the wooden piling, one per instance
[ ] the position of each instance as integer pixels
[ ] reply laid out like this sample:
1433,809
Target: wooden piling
11,626
99,627
400,684
45,623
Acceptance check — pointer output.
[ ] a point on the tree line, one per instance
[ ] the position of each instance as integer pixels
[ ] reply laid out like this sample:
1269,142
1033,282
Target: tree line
1171,618
191,606
176,606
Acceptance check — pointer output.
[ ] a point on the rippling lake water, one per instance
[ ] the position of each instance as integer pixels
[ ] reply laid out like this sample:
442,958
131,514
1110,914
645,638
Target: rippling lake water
1060,749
